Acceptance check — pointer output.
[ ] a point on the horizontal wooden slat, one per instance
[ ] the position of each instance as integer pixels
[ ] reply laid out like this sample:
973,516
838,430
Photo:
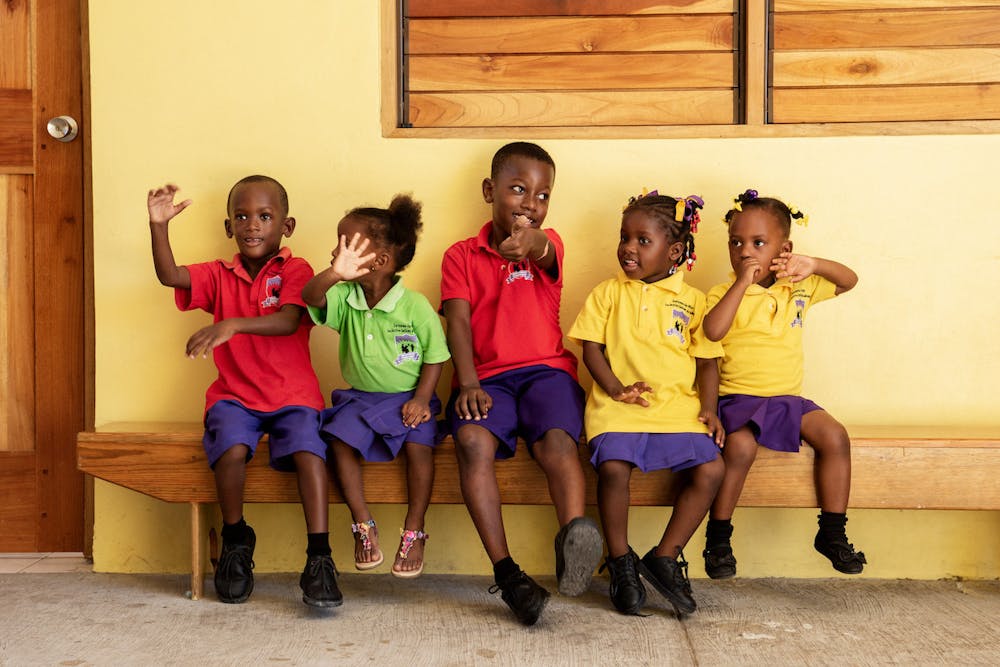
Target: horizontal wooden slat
598,108
571,72
15,129
571,35
828,5
855,105
884,29
881,67
445,8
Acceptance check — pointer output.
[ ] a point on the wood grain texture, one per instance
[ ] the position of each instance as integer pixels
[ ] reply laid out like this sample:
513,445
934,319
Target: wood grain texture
834,5
17,306
811,105
571,35
571,72
956,471
17,502
15,35
16,146
445,8
876,29
885,67
498,109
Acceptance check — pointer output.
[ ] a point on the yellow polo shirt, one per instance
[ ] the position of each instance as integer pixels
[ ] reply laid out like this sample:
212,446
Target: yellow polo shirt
763,348
652,334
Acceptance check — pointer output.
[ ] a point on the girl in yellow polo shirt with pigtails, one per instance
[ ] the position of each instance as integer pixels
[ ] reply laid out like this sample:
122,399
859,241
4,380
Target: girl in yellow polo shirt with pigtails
758,316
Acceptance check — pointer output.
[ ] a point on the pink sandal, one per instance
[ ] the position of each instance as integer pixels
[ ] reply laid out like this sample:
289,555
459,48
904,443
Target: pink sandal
363,528
406,540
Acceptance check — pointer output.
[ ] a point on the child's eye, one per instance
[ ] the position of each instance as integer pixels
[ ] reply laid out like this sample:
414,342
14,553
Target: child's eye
241,216
643,240
519,189
544,196
758,243
265,216
735,243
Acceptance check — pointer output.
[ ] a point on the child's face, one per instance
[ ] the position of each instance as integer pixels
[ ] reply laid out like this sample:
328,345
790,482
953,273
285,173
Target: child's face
257,221
645,251
755,235
521,188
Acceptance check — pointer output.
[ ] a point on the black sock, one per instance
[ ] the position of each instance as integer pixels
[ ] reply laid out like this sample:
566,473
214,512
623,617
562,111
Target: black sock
832,524
505,569
236,533
718,532
319,544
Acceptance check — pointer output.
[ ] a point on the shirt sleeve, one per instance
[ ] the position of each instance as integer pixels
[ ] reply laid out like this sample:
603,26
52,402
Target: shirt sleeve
294,276
332,315
591,324
454,274
715,295
204,288
701,347
820,289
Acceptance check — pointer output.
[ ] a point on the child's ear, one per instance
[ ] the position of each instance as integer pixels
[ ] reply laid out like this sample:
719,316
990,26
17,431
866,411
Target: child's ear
786,246
229,229
289,226
488,190
675,252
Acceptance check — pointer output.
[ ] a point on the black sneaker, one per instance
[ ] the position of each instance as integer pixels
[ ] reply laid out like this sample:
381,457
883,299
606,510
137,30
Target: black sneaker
234,574
319,583
669,577
720,562
524,597
627,592
841,553
578,551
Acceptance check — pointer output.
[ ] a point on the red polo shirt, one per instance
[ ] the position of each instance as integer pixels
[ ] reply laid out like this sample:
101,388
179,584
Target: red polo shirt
264,373
515,306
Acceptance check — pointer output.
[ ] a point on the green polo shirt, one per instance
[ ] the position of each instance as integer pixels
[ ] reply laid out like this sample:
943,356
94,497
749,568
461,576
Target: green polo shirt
383,348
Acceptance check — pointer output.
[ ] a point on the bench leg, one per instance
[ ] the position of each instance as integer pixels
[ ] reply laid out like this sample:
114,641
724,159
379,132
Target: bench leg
197,557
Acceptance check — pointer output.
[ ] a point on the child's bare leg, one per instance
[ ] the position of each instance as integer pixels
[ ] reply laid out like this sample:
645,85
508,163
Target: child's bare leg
419,481
613,502
738,454
476,452
230,477
691,506
314,490
832,469
348,476
557,455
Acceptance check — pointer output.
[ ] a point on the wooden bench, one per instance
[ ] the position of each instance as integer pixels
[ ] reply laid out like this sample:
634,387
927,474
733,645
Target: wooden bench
893,468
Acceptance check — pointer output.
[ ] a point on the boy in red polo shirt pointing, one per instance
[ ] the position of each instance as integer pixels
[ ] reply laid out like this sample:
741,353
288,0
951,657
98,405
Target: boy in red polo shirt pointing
500,293
266,383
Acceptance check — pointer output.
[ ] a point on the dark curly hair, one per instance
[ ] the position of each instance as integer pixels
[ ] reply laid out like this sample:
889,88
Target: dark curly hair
748,199
663,209
397,226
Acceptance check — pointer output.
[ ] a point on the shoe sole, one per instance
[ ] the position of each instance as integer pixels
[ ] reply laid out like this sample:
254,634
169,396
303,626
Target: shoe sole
408,574
680,606
582,550
322,604
721,575
370,565
541,608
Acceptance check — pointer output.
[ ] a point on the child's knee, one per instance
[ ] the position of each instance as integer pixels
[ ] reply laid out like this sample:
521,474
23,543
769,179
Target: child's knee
710,474
739,453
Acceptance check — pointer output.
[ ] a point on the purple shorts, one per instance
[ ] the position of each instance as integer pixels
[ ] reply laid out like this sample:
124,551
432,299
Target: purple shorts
289,430
776,421
654,451
372,423
527,402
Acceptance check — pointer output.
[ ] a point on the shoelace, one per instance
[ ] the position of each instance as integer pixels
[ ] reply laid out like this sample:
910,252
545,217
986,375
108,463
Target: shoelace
326,565
681,573
230,557
623,575
510,582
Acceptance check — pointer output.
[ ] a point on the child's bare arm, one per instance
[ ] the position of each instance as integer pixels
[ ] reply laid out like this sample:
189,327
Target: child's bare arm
721,316
800,267
282,323
417,410
348,263
707,379
527,242
600,370
162,209
472,402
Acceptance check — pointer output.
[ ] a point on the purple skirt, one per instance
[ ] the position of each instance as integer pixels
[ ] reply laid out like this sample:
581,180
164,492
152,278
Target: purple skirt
776,421
654,451
372,423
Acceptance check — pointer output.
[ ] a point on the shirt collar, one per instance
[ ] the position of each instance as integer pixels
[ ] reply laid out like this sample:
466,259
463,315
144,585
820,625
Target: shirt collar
356,297
236,265
672,283
483,239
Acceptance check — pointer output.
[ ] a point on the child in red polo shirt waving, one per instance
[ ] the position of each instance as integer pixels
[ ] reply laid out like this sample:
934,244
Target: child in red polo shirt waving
500,293
266,383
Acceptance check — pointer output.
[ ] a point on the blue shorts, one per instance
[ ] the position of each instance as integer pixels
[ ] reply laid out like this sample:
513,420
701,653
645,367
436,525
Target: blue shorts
527,402
654,451
289,430
372,423
776,421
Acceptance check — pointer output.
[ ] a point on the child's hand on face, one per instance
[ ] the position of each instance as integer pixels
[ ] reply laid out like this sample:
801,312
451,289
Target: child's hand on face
160,203
522,240
415,413
750,272
715,430
348,261
633,394
794,267
205,340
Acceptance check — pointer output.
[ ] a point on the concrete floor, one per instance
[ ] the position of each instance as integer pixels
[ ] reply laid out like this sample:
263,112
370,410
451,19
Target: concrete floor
83,618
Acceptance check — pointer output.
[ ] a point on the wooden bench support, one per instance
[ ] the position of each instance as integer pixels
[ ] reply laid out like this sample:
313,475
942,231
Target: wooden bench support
893,468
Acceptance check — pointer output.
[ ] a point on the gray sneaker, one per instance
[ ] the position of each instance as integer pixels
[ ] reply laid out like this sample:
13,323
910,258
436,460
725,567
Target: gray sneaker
579,548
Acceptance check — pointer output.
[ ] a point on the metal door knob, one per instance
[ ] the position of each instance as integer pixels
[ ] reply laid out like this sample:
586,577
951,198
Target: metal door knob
62,128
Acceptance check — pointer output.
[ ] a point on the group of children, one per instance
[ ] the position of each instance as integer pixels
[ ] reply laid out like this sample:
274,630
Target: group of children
678,376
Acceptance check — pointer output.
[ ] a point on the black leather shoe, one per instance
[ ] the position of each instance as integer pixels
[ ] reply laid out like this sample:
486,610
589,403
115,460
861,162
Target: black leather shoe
234,574
628,595
319,583
524,597
669,577
841,553
720,562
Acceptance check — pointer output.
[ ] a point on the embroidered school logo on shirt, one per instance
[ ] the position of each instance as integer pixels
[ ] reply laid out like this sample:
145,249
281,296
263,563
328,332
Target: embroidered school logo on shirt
681,320
800,307
517,272
406,345
272,290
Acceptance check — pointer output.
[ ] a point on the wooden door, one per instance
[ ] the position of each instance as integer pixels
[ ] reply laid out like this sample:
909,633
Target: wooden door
42,278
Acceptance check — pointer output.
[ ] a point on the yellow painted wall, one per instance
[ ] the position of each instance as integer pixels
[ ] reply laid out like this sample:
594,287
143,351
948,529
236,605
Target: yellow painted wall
203,93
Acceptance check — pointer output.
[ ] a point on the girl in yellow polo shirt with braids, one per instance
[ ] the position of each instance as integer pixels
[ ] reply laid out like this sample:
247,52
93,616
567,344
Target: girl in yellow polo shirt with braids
653,402
758,317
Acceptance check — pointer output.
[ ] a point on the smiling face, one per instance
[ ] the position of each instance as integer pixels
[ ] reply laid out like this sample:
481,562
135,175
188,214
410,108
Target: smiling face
646,252
755,234
521,188
257,220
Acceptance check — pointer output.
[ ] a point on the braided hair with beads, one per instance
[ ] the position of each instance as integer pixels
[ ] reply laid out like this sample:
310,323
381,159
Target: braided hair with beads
678,216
